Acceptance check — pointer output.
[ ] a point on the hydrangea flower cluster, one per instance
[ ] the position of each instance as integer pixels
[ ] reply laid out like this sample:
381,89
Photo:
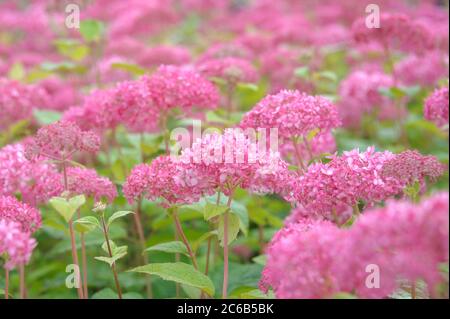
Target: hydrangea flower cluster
60,141
360,95
293,113
36,182
396,31
425,70
160,180
15,243
331,188
28,218
230,69
88,182
17,101
436,107
411,166
315,259
172,86
234,159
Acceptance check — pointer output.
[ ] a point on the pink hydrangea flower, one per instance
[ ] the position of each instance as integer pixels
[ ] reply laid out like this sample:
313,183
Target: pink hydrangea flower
17,101
159,180
293,113
226,161
423,70
332,187
316,259
172,86
404,240
88,182
230,69
397,31
436,107
411,166
36,182
360,95
60,141
15,243
168,55
28,218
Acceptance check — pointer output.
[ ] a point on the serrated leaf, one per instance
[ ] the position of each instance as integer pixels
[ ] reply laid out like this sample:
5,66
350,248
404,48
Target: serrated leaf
212,210
233,228
87,224
117,215
62,206
170,247
179,272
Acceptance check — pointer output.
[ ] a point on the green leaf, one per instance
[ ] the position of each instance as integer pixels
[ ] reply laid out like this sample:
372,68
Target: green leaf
17,71
131,68
260,259
311,134
72,49
87,224
326,75
212,210
173,247
233,228
179,272
77,201
117,252
117,215
202,238
63,67
91,30
257,294
344,295
247,86
45,117
106,293
302,72
62,207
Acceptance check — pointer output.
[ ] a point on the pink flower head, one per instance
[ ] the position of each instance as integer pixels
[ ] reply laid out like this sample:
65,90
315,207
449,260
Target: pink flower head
17,101
28,218
436,107
315,259
60,140
97,112
405,241
360,94
234,158
88,182
15,243
411,166
231,69
156,56
300,261
293,113
423,70
396,31
172,86
329,188
36,181
160,180
226,50
133,106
